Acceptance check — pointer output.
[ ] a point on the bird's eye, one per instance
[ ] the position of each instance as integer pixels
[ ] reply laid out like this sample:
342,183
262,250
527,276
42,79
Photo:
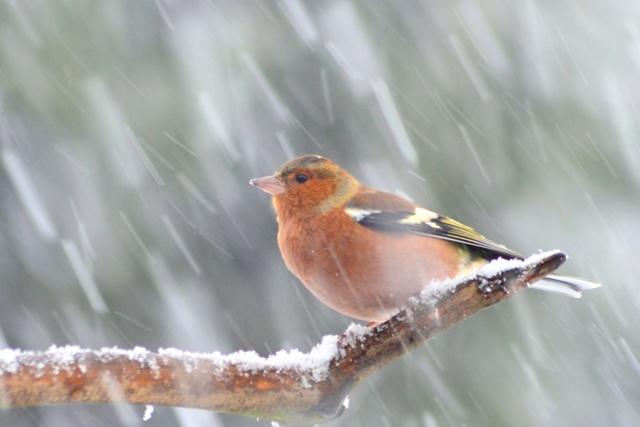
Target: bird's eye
301,178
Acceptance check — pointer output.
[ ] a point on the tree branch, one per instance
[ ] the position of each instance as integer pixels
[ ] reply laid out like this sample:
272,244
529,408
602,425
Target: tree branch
288,386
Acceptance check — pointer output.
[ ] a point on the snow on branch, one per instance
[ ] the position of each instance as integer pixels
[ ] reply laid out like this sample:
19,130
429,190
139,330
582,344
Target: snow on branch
288,386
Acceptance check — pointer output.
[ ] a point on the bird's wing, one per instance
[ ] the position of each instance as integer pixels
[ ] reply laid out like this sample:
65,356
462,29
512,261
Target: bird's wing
387,212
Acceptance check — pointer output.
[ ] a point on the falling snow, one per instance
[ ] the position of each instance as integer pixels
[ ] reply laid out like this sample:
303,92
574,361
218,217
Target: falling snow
148,413
28,194
129,130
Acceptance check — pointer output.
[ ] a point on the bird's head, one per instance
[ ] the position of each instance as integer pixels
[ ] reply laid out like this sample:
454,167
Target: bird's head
308,184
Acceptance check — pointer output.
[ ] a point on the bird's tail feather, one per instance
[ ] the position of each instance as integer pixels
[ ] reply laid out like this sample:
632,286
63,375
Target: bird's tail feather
564,285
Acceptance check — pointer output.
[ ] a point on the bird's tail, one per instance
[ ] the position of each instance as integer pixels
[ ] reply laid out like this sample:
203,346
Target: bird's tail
564,285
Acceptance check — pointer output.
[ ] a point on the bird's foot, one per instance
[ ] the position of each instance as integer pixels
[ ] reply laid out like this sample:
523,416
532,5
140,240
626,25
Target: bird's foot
488,286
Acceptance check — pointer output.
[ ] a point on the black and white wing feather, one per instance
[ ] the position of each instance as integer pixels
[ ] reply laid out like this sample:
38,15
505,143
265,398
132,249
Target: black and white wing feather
423,222
388,212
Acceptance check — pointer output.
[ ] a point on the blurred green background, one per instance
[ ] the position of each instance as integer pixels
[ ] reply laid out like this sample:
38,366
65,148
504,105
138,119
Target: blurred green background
129,130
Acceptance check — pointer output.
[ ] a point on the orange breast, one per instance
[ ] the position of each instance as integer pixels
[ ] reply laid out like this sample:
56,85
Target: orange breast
361,272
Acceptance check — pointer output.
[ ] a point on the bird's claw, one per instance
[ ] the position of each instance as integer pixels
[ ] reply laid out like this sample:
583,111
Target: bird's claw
488,286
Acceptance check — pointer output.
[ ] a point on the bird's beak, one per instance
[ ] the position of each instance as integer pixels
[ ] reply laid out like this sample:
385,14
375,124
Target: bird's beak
269,184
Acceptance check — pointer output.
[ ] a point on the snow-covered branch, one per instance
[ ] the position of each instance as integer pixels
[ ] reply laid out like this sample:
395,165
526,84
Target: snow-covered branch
287,386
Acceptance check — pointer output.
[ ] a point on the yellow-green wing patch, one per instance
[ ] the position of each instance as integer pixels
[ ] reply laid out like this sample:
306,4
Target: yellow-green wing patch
426,223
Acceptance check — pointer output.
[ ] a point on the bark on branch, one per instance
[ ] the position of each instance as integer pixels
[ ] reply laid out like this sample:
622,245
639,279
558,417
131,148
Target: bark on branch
286,387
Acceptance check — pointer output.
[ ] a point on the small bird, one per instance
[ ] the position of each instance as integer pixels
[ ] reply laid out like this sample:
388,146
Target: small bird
364,252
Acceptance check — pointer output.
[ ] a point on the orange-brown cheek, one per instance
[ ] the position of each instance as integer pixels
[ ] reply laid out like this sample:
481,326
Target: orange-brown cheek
317,192
303,199
312,193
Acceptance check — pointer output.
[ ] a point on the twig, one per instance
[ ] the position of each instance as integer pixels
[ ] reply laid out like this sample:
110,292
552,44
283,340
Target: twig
289,387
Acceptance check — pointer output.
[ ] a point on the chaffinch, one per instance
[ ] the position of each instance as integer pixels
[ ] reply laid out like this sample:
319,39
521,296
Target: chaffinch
364,252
